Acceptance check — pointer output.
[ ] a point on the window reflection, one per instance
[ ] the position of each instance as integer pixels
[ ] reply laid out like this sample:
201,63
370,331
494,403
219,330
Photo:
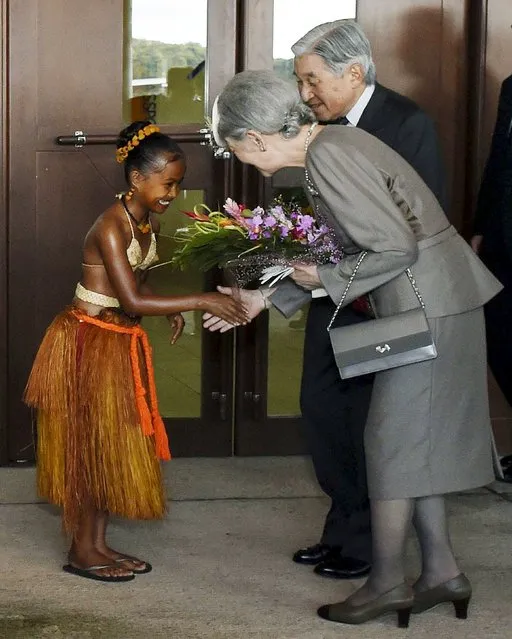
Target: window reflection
164,66
291,23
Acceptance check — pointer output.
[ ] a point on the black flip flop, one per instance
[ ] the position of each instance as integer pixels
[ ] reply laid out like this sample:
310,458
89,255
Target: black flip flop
140,571
88,573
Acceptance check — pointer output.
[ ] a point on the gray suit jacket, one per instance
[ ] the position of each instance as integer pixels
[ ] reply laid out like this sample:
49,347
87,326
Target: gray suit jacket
375,201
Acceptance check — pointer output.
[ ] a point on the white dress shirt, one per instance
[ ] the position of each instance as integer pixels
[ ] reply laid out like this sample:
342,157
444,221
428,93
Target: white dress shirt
355,113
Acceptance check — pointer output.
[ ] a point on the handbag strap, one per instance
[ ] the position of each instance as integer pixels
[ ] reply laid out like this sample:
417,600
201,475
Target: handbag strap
352,277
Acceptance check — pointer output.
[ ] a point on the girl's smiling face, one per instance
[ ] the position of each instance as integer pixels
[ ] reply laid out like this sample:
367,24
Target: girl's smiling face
156,190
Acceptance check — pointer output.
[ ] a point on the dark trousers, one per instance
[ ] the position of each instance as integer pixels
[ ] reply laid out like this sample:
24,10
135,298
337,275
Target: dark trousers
334,413
498,322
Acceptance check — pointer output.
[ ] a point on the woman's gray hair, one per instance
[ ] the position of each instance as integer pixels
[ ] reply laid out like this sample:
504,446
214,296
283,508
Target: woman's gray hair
339,44
263,102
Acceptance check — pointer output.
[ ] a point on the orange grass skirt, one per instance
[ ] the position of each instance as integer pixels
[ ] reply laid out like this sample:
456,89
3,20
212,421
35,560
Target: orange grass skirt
91,448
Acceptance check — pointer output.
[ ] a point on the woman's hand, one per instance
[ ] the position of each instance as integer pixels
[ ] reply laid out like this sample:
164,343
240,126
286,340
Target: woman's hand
476,243
306,276
226,307
253,302
177,322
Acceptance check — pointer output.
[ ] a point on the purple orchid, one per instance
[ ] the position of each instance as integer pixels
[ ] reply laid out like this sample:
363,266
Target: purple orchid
305,222
269,221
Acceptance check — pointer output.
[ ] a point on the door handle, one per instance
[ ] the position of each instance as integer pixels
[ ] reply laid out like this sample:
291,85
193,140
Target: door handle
254,398
80,139
204,137
219,152
222,399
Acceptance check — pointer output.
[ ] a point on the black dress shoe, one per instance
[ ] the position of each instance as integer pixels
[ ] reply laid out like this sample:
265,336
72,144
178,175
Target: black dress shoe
314,554
339,567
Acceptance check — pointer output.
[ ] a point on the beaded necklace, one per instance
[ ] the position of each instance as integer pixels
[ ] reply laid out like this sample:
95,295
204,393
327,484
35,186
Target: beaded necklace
143,225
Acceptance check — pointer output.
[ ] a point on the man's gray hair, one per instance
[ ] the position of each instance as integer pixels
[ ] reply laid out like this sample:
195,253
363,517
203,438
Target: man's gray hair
339,44
263,102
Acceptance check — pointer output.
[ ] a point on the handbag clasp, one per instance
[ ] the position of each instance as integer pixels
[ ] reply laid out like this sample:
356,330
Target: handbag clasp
383,349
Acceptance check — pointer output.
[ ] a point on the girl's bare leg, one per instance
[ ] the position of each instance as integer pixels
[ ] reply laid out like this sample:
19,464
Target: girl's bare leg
83,552
100,543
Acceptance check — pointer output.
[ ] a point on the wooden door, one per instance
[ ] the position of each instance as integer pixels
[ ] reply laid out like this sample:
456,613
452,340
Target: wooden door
64,72
3,233
67,75
421,50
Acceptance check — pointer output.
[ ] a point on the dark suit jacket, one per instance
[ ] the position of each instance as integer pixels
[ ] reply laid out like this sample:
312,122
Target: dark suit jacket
401,124
494,208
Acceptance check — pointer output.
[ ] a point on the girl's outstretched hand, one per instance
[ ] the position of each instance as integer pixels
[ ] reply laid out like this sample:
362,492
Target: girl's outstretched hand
253,302
177,322
226,307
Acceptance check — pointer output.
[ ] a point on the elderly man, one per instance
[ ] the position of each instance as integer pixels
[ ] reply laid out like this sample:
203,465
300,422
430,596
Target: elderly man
336,78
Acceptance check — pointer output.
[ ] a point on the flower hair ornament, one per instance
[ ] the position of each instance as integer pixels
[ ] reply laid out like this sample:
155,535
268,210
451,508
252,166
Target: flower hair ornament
122,153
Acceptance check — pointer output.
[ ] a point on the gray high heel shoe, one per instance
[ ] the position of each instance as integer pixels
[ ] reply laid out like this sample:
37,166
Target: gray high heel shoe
399,600
456,590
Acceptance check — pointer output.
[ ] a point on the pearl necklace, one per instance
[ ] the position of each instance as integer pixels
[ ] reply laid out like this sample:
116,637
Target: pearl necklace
309,182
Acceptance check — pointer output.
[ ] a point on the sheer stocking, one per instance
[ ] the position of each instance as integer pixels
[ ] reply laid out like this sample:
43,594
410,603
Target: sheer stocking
438,563
390,525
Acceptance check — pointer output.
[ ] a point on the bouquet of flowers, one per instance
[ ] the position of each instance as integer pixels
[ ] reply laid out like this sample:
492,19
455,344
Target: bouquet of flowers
254,243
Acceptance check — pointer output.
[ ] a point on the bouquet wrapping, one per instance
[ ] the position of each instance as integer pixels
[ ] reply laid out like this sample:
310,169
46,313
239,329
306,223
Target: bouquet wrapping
254,244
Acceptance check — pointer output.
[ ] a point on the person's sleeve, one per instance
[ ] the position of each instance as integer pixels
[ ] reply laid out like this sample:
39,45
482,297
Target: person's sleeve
418,143
356,194
289,297
496,170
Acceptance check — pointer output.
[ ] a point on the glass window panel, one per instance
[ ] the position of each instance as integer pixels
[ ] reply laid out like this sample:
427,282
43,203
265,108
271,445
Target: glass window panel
178,367
164,61
285,348
286,344
291,24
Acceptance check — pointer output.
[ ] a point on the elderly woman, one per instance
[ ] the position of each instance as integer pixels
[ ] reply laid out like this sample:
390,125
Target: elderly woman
428,432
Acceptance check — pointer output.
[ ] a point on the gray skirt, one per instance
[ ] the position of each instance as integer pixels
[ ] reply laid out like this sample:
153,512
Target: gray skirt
428,430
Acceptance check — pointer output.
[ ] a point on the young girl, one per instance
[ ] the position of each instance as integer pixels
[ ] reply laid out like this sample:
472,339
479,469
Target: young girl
100,436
